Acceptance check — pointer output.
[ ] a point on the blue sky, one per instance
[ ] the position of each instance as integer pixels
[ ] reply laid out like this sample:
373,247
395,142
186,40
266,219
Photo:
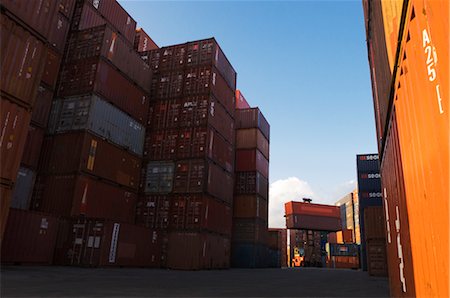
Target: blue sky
304,63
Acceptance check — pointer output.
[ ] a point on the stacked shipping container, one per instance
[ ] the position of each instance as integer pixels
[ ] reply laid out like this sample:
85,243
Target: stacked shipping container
349,207
251,192
277,248
408,49
187,179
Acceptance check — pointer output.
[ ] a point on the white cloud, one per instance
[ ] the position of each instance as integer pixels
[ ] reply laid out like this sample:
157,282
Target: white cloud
282,191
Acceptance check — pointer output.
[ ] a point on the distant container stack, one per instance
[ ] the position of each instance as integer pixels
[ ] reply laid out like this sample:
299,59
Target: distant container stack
349,207
33,37
187,178
251,190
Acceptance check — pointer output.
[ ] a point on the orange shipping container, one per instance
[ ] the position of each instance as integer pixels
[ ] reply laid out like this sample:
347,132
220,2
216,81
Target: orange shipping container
312,209
345,236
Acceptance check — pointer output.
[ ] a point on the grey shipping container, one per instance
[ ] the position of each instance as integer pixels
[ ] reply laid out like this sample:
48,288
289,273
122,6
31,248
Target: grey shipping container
96,115
23,189
159,177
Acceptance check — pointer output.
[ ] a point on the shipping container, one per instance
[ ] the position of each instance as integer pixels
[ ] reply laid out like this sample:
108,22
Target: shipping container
90,14
343,262
313,222
96,75
376,257
104,42
312,209
252,118
23,189
152,211
194,251
33,144
59,32
92,113
102,243
51,68
250,206
22,59
332,238
143,42
273,258
5,201
249,230
29,238
248,160
374,223
252,138
73,195
74,152
66,7
248,255
159,177
251,183
42,107
340,249
14,130
197,213
241,102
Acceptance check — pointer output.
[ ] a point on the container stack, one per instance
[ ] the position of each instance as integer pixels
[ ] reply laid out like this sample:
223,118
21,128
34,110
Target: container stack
349,207
343,255
33,36
277,248
250,207
408,51
307,248
187,178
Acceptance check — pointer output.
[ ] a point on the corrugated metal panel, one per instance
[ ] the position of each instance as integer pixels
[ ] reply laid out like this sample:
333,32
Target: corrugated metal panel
33,144
22,58
251,183
252,118
30,238
42,107
248,160
143,42
103,41
100,117
159,177
376,257
14,129
58,33
253,230
152,211
373,219
73,195
81,151
23,189
252,138
250,206
313,222
96,75
51,68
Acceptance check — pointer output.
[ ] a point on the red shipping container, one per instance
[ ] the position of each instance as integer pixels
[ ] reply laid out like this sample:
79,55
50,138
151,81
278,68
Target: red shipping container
22,59
33,145
5,200
161,144
59,32
103,41
88,15
374,223
143,42
313,222
312,209
30,238
252,230
344,262
241,102
200,213
42,107
332,238
14,129
69,153
73,195
248,160
102,243
194,251
252,138
252,118
152,211
66,7
96,75
250,206
51,68
251,183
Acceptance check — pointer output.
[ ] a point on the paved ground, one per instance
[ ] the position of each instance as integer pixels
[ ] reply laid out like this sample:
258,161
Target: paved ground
75,282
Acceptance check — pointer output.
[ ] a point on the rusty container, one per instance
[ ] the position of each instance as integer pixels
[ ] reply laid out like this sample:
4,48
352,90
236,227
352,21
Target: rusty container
143,42
83,152
251,183
152,211
241,102
73,195
5,201
14,131
30,238
33,144
252,138
249,230
196,250
250,206
248,160
200,213
376,257
105,42
90,14
23,59
374,223
252,118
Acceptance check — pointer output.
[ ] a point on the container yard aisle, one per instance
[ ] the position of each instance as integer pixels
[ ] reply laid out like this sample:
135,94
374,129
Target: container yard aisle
75,282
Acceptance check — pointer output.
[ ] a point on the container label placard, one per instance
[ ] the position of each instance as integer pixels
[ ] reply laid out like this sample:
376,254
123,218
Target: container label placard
114,238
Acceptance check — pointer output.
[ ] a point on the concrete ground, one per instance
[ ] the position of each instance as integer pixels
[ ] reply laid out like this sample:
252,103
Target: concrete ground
302,282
